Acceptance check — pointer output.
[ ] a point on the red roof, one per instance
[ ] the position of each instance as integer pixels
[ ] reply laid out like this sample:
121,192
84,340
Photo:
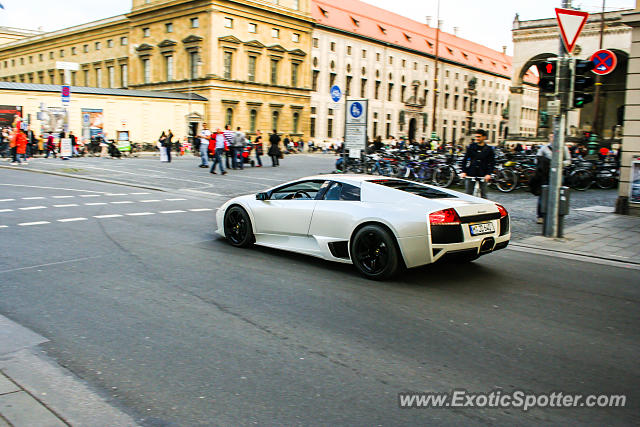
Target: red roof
370,21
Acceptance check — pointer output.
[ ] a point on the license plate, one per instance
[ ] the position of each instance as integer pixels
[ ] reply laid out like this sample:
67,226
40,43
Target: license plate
484,228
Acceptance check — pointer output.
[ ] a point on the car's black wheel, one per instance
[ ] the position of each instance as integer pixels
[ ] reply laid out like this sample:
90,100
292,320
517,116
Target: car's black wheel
374,253
237,227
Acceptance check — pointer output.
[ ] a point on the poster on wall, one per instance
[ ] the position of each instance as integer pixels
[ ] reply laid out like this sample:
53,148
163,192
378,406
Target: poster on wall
123,141
634,197
65,147
8,113
92,123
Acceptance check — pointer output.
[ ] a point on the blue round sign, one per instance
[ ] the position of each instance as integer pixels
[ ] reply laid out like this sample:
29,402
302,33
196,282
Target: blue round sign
356,110
336,93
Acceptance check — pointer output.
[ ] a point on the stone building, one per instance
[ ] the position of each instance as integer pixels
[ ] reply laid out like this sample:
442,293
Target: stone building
250,59
390,59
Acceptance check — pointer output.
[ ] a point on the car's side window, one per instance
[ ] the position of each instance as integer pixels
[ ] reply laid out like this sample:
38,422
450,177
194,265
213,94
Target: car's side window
305,190
342,191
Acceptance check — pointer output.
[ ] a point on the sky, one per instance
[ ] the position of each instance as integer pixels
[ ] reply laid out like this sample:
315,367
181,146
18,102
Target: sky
486,22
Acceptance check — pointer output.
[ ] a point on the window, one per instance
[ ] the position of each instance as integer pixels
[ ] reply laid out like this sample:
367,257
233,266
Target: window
195,23
274,71
304,190
31,57
348,50
341,191
376,93
168,67
86,77
253,28
377,56
251,75
146,32
229,117
274,120
314,80
111,76
294,74
228,23
295,37
332,80
85,48
98,77
253,118
61,56
73,51
316,42
364,53
50,57
391,60
40,58
330,128
347,89
146,70
228,57
275,33
168,27
124,77
296,122
97,45
363,88
312,127
193,65
124,41
390,92
332,46
403,90
110,43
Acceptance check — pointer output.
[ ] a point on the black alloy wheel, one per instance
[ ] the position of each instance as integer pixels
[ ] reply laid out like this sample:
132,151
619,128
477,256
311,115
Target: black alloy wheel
374,253
237,227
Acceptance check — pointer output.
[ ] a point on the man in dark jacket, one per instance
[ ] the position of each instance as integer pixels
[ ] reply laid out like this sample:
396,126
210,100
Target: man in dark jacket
274,148
479,162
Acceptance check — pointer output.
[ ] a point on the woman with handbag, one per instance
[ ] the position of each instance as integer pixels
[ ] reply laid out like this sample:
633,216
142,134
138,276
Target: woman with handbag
274,148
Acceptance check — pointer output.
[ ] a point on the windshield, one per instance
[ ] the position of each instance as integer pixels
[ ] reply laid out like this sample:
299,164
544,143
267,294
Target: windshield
414,188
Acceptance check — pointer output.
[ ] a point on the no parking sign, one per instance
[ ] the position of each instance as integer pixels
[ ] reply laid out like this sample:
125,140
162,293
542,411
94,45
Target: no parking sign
605,62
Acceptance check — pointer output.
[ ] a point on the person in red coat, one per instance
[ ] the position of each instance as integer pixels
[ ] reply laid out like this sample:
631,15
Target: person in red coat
20,143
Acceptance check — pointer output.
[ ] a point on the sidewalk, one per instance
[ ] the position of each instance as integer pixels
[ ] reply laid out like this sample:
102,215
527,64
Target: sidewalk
610,237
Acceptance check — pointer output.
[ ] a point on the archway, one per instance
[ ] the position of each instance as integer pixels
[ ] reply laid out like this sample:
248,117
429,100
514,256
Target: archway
413,124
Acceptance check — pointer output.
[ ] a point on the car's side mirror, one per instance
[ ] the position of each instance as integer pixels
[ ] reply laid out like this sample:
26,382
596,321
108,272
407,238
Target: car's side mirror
262,196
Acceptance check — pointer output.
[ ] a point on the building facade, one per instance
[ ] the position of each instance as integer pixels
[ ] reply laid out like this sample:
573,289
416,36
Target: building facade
390,59
249,59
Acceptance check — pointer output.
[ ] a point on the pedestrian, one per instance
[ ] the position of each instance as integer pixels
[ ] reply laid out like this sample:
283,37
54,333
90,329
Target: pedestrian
478,162
257,145
237,148
20,147
51,146
274,148
205,135
169,144
543,168
74,144
219,149
162,146
228,139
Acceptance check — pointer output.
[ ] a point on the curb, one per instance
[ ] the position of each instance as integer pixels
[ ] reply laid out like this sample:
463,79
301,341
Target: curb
87,178
576,253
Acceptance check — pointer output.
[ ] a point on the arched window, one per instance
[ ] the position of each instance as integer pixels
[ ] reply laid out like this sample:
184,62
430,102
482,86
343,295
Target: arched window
274,120
253,118
229,117
296,121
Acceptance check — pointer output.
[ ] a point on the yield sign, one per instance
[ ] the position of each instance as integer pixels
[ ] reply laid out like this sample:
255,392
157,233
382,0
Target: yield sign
604,62
571,23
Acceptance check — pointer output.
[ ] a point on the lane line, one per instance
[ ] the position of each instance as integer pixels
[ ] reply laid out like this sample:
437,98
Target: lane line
124,202
65,206
139,194
107,216
63,197
96,204
4,226
149,201
33,198
7,200
31,208
72,219
172,212
175,200
49,264
33,223
54,188
116,194
6,210
90,195
140,213
200,210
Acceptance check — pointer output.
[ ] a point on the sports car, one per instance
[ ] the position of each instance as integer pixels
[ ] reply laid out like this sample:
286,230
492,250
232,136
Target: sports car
380,225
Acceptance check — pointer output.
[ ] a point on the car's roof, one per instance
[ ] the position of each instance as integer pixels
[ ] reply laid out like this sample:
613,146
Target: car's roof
342,177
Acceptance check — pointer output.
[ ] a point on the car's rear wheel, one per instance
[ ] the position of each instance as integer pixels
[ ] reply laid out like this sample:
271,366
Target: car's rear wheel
374,253
237,227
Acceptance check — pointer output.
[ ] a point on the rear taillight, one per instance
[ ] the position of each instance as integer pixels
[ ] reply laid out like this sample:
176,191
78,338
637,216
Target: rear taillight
502,210
444,217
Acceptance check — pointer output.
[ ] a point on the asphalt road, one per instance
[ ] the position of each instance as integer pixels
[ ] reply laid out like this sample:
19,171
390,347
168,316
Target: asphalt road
182,329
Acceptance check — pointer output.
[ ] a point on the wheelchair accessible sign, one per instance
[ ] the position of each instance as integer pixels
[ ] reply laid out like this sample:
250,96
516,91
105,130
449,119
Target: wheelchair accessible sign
355,135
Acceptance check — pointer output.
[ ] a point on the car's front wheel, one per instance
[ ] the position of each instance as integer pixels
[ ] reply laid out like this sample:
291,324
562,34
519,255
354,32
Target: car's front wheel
237,227
374,253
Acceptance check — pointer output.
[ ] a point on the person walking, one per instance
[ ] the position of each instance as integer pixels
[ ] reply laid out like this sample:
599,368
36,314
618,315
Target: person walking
219,150
51,147
162,146
478,164
237,147
257,145
274,148
228,139
205,135
20,147
169,144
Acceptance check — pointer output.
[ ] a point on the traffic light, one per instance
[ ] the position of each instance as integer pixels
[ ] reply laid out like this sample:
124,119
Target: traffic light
547,74
582,80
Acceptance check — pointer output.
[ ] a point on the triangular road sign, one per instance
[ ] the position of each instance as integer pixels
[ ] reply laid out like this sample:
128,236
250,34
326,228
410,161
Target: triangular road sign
571,23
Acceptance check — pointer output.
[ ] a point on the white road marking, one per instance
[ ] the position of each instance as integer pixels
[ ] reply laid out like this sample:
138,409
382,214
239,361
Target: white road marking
32,198
200,210
174,200
72,219
172,212
54,188
7,200
65,206
124,202
31,208
4,226
140,213
90,195
107,216
116,194
34,223
149,201
6,210
95,204
63,197
138,194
